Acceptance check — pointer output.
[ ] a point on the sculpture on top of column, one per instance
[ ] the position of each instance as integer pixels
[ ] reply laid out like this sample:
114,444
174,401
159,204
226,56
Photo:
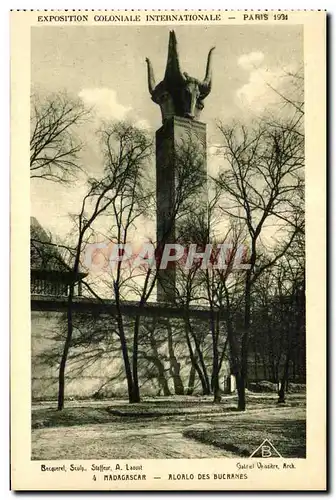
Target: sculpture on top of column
179,94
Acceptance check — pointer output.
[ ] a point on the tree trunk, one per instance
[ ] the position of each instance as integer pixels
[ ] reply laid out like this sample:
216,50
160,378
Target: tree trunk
175,371
127,364
136,391
234,363
256,374
214,376
61,378
284,381
240,381
265,368
294,368
200,357
164,384
67,343
214,325
174,364
191,382
135,395
291,344
201,374
159,365
216,388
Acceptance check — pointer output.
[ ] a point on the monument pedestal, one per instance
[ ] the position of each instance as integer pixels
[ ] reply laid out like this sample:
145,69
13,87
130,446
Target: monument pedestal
172,141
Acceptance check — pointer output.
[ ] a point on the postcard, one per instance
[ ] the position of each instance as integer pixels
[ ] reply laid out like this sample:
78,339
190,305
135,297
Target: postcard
168,331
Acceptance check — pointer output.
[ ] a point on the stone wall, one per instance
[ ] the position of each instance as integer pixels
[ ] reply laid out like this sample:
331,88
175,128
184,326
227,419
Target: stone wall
95,365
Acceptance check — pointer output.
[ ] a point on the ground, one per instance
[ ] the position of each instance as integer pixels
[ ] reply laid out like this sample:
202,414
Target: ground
167,428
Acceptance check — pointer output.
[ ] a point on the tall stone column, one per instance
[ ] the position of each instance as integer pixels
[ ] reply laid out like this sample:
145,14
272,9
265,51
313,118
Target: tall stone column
181,100
175,134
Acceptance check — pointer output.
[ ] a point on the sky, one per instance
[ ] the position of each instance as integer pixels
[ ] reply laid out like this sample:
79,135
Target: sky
105,67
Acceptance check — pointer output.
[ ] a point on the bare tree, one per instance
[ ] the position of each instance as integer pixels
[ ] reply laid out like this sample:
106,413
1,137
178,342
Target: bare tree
133,201
291,299
292,96
223,286
54,148
102,194
263,174
127,151
278,312
204,282
122,196
152,352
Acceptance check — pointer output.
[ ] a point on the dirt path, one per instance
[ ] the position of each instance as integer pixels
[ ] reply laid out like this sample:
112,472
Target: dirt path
132,440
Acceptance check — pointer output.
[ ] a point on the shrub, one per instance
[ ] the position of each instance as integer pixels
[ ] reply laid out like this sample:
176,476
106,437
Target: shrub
263,386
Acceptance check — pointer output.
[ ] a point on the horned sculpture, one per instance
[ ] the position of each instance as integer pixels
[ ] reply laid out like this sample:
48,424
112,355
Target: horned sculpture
179,94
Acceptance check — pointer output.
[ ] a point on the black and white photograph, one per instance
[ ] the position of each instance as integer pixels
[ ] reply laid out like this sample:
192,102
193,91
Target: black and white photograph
168,249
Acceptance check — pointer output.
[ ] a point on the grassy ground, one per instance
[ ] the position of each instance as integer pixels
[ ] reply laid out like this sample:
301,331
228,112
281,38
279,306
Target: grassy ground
120,441
88,412
86,415
50,417
168,428
242,434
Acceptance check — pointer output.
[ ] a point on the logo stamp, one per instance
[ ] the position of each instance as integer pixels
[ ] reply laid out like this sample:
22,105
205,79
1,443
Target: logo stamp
266,450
